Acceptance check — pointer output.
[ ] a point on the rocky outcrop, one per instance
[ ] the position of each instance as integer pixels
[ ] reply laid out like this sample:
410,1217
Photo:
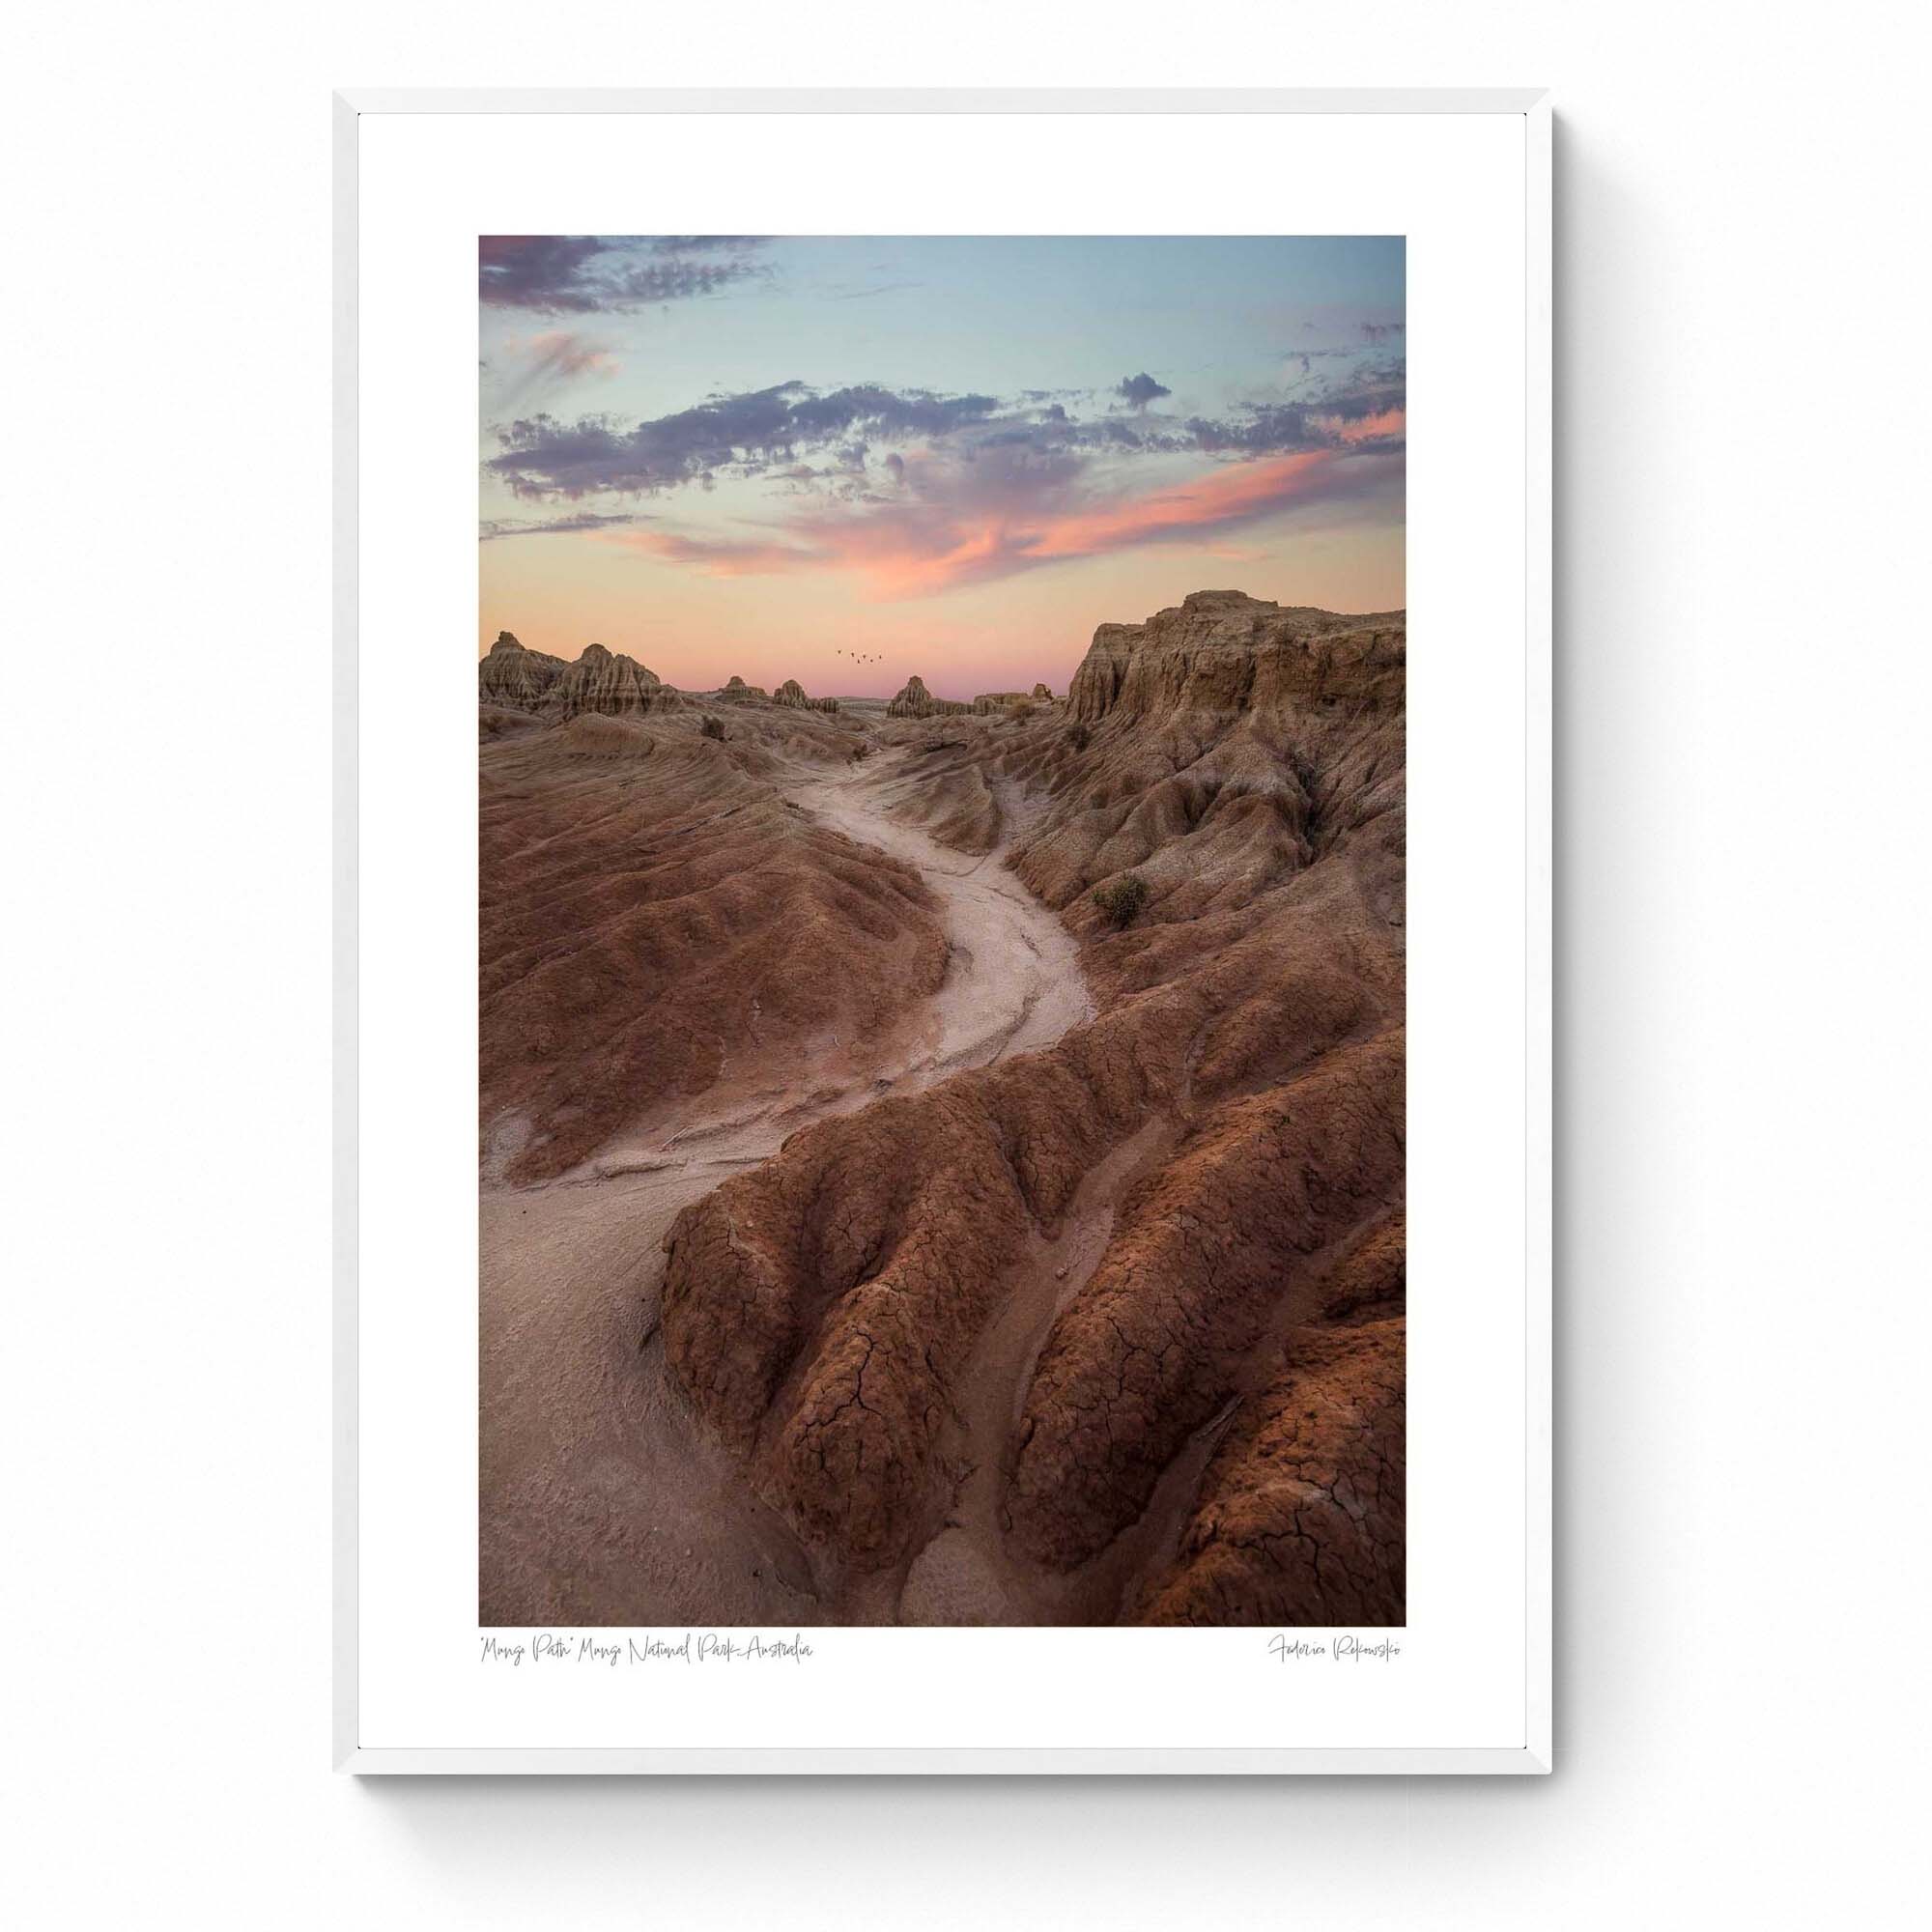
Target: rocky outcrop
915,701
1000,703
1234,743
602,681
735,690
514,678
1221,652
792,692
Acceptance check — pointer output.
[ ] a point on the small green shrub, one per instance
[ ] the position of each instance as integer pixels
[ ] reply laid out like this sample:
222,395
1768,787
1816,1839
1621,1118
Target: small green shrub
713,728
1120,899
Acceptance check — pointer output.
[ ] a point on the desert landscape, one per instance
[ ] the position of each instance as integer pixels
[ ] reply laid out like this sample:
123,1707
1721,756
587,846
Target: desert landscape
942,1158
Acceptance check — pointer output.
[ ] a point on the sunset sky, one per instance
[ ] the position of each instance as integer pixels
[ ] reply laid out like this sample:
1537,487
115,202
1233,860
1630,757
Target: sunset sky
782,457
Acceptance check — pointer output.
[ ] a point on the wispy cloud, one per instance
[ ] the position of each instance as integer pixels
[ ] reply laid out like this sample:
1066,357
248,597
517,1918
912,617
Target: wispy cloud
557,356
914,491
582,275
492,528
1221,500
725,557
953,535
954,529
1383,426
747,434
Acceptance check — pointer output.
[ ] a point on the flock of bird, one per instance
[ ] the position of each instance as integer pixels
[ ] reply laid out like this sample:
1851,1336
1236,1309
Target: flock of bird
858,657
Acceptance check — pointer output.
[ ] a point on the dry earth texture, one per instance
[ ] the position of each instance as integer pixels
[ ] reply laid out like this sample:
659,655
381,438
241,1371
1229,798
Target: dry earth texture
875,1227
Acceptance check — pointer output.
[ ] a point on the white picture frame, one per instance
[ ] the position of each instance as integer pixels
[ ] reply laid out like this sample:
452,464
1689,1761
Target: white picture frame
1533,1751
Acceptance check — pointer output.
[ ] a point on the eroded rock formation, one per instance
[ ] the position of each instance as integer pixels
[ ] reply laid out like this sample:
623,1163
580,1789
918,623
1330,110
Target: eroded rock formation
1221,652
792,693
646,901
1302,1515
513,678
602,681
914,700
945,790
1224,1379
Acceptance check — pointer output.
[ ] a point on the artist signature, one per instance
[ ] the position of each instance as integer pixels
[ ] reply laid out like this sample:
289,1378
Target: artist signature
1286,1649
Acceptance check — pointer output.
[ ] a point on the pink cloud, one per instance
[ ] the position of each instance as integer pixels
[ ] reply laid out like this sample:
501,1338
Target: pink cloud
555,356
1234,495
718,556
1364,429
977,522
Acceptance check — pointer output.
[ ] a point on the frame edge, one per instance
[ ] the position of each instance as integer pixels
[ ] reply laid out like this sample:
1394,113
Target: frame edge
1539,649
942,101
1537,1756
342,820
1100,1761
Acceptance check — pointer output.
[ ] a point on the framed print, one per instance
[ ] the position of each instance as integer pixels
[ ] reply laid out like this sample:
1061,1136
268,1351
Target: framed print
891,1084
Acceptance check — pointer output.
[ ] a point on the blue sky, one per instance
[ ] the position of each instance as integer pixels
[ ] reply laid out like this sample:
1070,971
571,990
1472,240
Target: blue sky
792,457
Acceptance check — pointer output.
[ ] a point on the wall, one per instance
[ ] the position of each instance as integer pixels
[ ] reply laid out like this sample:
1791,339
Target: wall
1742,840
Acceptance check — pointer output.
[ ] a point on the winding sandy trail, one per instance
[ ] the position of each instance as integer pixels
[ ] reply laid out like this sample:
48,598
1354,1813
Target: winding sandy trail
601,1502
1013,981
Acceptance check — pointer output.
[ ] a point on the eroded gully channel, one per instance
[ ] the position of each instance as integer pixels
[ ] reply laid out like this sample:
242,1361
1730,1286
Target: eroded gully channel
603,1502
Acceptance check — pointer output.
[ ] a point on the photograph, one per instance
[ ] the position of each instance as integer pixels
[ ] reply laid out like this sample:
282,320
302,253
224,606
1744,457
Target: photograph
941,977
772,1289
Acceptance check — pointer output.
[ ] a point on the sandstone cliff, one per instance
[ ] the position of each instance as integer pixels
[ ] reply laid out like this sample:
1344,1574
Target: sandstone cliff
1222,652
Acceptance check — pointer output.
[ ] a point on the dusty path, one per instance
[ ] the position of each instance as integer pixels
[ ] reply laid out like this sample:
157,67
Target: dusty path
1013,982
601,1502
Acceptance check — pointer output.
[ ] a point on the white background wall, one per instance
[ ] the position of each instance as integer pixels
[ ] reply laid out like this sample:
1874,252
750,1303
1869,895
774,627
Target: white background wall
1742,750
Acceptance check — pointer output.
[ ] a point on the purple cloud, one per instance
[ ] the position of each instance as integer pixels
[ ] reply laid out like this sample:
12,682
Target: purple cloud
1141,390
579,275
